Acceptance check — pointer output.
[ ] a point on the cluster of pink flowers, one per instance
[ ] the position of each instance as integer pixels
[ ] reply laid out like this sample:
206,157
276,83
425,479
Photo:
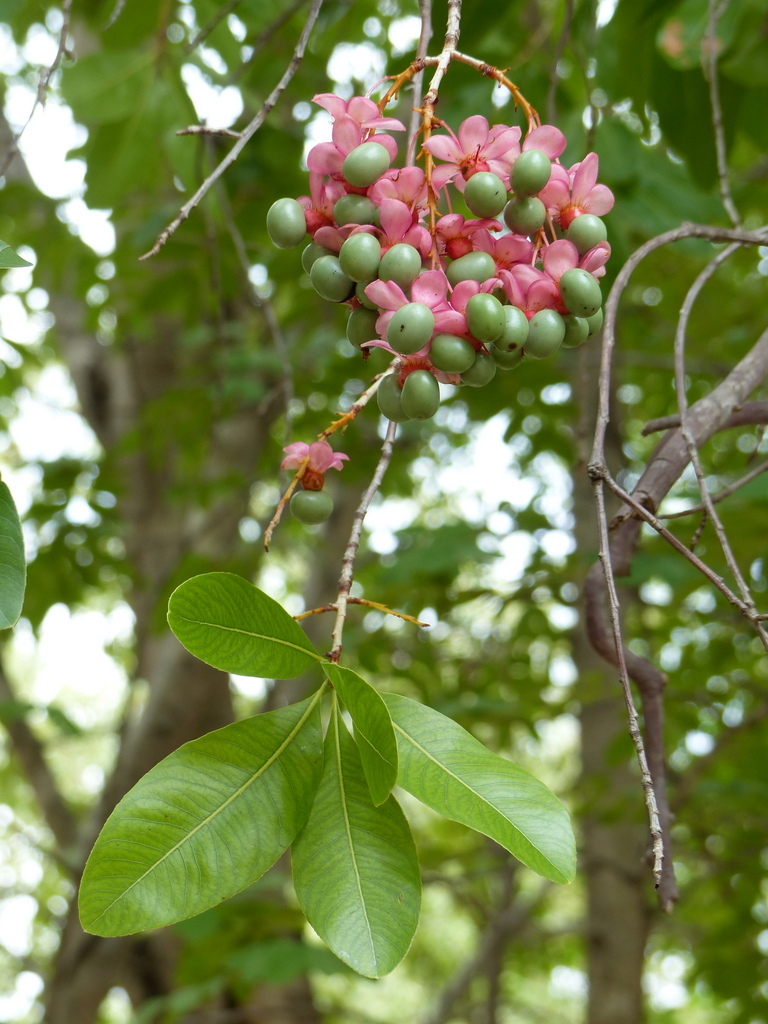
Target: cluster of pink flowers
453,257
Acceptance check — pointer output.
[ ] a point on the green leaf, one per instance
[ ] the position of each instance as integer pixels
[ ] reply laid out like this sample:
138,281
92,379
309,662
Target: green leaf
204,823
354,865
9,258
104,87
374,734
227,622
449,770
13,569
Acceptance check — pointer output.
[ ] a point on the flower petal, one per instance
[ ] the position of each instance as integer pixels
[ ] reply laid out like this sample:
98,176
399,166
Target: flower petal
473,134
334,104
324,158
431,288
444,147
584,179
599,201
386,295
559,257
548,139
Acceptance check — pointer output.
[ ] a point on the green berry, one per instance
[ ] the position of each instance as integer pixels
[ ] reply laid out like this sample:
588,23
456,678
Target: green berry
410,328
581,292
546,331
530,172
360,256
311,254
401,263
420,396
481,372
361,326
451,354
586,231
389,399
329,280
311,507
485,317
515,330
354,209
485,194
365,164
595,322
525,215
507,360
576,331
362,298
475,266
286,223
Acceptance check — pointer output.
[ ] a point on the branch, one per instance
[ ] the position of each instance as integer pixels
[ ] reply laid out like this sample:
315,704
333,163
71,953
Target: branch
350,554
711,41
42,86
30,752
721,495
750,413
245,136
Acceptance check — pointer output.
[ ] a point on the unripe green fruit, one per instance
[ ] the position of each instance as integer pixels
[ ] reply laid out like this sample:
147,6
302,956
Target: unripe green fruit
329,280
365,164
475,266
481,372
286,223
595,322
507,360
576,331
420,396
410,328
311,254
530,172
361,326
360,256
311,507
515,331
586,231
362,298
485,194
525,215
581,292
546,331
354,209
401,263
451,354
485,317
389,399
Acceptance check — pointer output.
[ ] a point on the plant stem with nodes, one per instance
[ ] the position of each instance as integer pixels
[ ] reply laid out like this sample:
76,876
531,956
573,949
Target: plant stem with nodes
350,554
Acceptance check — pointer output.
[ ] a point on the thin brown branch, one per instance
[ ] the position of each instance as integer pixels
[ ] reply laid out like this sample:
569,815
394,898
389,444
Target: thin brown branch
264,38
31,755
245,136
375,605
203,129
721,495
211,24
425,35
350,554
711,43
42,86
751,413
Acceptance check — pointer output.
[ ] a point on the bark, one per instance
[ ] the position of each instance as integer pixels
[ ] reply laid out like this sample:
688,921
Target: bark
614,836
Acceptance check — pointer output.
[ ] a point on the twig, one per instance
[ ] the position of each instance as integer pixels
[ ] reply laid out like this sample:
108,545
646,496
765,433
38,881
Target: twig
42,86
721,495
376,605
350,554
561,44
749,413
211,24
261,41
710,40
245,136
203,129
425,13
682,401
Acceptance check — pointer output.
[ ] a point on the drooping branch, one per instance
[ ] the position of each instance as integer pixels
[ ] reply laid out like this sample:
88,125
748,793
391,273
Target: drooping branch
244,137
750,413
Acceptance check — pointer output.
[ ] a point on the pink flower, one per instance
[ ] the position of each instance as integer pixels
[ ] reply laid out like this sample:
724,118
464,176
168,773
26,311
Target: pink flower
476,148
506,251
321,458
404,183
531,289
397,225
318,206
457,235
563,255
429,288
354,122
571,193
